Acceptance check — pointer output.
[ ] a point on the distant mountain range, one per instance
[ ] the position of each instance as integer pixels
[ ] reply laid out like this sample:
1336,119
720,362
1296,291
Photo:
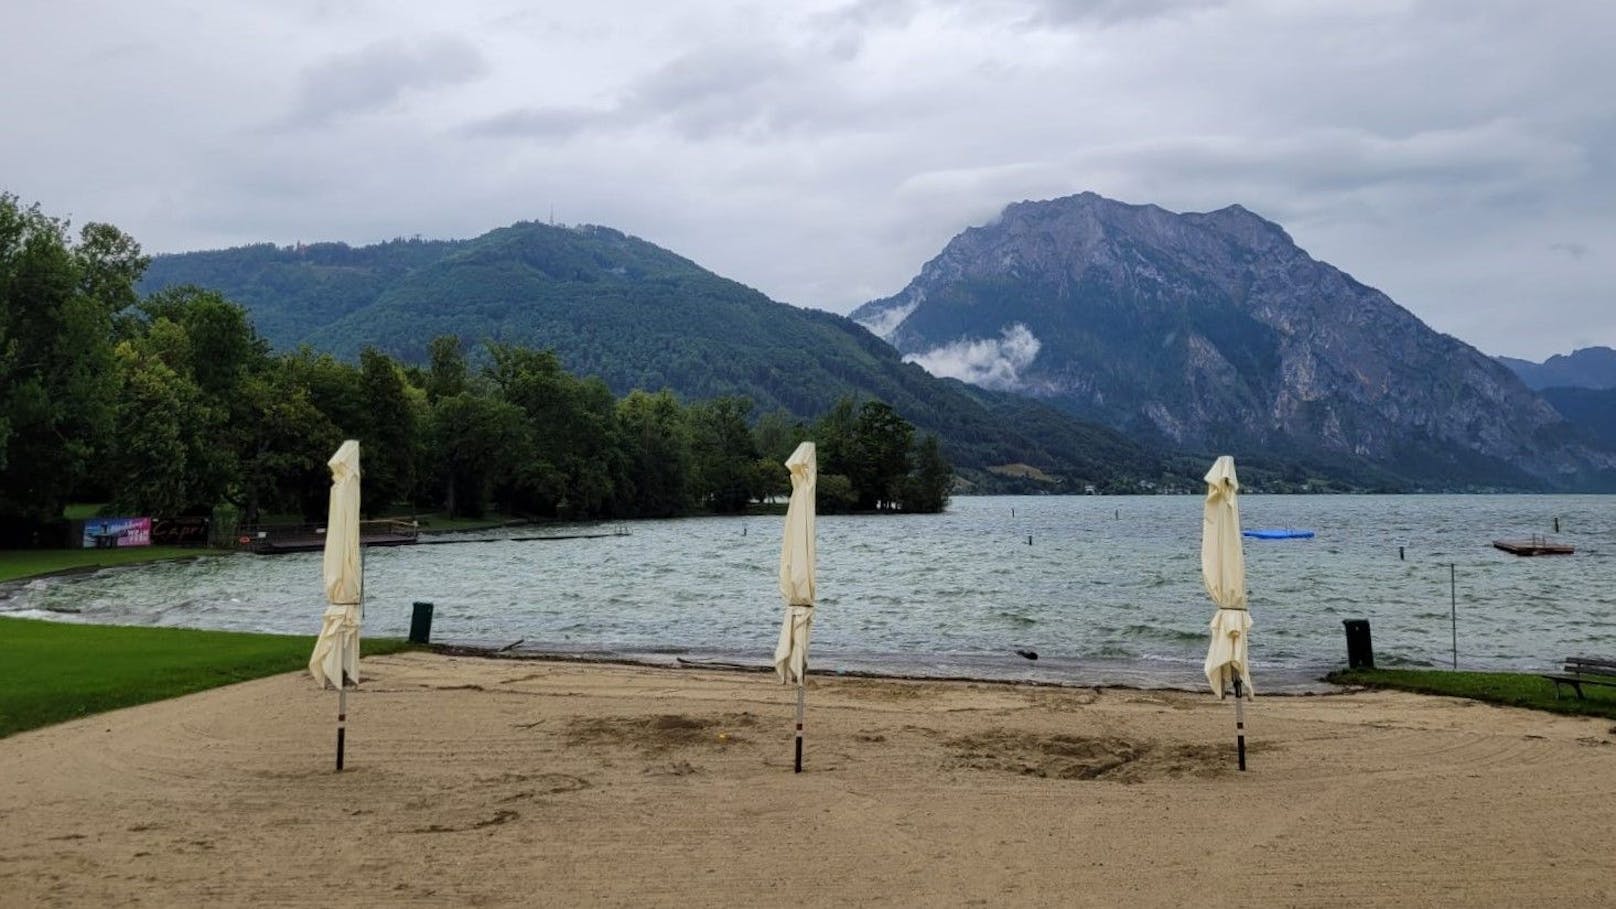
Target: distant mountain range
1590,367
1215,331
1080,341
640,316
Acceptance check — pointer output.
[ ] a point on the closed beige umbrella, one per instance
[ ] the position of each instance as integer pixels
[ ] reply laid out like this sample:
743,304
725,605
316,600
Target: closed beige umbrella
1223,570
797,579
336,651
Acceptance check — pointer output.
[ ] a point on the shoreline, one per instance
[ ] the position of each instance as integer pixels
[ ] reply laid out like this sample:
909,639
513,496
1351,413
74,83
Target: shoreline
513,652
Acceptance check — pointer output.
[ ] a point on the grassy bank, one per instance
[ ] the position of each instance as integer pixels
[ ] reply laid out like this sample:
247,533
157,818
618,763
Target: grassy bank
1510,688
51,672
27,563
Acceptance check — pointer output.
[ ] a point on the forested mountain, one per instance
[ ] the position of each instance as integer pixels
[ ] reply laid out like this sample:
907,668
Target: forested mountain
1589,367
638,316
1214,330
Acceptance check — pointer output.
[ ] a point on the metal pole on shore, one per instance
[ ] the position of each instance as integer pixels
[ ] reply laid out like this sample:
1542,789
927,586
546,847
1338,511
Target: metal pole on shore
1239,725
342,720
1453,605
801,697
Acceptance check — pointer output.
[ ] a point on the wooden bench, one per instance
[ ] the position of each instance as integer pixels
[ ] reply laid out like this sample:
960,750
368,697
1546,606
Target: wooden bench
1580,671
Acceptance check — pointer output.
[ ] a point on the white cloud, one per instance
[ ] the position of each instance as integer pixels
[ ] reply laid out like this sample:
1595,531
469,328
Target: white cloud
994,363
885,322
821,151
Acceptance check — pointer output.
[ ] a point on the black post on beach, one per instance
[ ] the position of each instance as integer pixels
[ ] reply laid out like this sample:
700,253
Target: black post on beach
800,697
342,718
1453,604
1239,725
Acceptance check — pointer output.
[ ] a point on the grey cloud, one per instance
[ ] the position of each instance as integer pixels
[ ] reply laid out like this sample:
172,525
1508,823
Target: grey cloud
1454,155
729,91
542,123
1115,12
375,77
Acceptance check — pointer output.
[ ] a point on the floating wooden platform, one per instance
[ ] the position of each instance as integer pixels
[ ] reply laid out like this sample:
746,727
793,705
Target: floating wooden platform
278,545
1536,546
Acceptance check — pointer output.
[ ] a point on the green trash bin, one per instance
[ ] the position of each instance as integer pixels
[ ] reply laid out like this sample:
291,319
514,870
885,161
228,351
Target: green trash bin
421,624
1360,650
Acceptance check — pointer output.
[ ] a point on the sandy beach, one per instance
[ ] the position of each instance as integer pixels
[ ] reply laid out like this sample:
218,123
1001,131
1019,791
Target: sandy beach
479,782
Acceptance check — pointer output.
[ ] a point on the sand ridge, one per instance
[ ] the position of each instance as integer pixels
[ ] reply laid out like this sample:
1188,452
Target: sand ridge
502,782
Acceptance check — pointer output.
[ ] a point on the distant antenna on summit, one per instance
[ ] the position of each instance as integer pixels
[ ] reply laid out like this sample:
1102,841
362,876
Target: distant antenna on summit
552,215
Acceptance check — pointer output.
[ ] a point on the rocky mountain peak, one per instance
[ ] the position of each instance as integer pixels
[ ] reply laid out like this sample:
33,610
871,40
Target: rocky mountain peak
1213,329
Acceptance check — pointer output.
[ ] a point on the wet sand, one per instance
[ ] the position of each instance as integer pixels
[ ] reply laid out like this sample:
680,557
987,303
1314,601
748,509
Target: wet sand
479,782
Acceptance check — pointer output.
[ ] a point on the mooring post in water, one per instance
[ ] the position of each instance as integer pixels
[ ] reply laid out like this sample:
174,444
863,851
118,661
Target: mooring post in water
1556,523
1453,604
1029,539
1400,554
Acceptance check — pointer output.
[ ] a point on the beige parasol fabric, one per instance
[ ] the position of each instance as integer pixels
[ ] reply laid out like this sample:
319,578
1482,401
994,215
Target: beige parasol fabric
797,567
336,651
1223,569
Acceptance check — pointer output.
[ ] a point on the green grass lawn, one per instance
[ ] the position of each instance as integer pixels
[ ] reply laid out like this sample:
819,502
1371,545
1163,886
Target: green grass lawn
1511,688
25,563
51,672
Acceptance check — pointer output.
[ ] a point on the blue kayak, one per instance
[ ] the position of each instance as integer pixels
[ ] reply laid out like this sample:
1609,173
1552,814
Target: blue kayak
1279,534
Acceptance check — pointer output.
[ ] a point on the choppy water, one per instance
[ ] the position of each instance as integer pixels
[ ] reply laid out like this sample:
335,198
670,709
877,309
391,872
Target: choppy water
1108,591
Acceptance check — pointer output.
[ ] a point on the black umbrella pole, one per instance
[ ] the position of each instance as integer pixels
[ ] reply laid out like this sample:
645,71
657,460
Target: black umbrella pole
1239,725
342,722
800,697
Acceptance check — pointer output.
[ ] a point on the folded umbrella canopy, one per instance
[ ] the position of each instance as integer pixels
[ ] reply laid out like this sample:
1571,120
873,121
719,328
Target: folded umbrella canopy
335,661
797,578
1223,570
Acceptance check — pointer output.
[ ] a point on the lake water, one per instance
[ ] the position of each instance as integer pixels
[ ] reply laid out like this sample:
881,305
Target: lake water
1109,590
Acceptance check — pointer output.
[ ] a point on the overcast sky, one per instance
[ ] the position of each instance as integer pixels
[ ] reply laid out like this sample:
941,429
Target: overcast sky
1457,155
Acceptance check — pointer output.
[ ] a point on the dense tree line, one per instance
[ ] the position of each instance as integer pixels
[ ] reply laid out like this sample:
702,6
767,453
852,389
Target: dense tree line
172,404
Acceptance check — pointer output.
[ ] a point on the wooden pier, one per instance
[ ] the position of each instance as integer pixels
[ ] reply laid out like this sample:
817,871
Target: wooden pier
274,539
283,538
1535,546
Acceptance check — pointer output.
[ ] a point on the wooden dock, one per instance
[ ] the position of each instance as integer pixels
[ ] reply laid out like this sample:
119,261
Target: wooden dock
282,538
278,539
1535,546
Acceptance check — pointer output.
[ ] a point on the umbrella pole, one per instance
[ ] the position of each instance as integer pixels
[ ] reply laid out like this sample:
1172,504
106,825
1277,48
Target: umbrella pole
801,688
342,720
1239,724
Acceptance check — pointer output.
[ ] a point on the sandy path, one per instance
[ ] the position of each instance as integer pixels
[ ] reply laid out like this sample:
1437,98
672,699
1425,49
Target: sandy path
483,782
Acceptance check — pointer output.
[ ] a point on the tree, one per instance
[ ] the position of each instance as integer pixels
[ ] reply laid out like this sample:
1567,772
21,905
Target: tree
160,421
57,388
926,489
777,435
724,453
475,442
447,375
879,455
657,446
388,434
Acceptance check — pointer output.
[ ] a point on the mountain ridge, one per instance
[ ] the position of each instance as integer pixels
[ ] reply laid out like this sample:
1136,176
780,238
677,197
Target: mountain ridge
1587,367
1215,330
638,316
